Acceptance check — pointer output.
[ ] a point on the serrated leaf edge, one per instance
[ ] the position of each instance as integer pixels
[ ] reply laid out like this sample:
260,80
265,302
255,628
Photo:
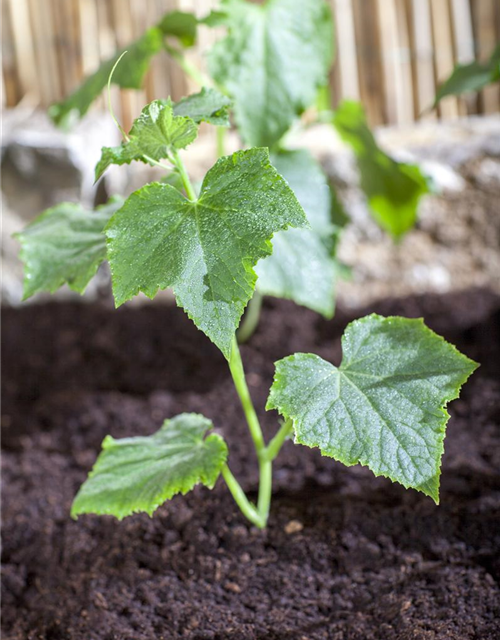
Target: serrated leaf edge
432,492
193,480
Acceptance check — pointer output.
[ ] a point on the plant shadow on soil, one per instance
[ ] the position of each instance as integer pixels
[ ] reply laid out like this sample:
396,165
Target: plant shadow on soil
345,556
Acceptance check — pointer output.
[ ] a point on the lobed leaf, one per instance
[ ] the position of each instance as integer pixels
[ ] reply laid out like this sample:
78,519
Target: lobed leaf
156,133
467,78
131,70
204,249
384,407
139,474
393,189
302,266
272,62
64,245
164,127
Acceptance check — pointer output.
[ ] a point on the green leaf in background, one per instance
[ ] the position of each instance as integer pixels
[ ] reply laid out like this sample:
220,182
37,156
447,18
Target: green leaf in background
130,72
128,75
272,62
209,105
384,407
393,189
302,266
204,249
134,475
467,78
156,133
64,245
180,25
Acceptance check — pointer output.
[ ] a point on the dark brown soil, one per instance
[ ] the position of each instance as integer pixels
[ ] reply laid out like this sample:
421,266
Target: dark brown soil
362,558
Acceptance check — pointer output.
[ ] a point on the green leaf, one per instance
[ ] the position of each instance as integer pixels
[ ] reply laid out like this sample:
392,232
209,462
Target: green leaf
471,77
131,70
65,244
302,266
393,189
156,133
384,407
181,25
128,75
204,249
209,105
134,475
273,60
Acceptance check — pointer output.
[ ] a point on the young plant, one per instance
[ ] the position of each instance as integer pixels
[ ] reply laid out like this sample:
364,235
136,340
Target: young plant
273,62
383,407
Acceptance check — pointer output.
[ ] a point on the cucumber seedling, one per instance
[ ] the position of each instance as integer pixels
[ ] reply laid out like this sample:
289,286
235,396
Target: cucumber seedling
383,407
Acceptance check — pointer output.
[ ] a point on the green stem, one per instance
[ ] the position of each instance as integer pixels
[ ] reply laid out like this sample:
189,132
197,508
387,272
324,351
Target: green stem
265,489
221,136
265,465
190,192
246,507
274,447
250,319
188,67
238,374
156,163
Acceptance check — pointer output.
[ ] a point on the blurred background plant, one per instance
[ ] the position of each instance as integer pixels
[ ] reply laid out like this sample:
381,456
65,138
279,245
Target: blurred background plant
390,54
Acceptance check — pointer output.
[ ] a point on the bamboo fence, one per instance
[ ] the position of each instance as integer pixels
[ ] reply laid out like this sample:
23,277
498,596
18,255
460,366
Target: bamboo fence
391,54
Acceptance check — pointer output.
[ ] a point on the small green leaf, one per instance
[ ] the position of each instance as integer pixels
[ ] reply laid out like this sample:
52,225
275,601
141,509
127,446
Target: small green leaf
273,60
384,407
393,189
134,475
128,75
65,244
131,70
467,78
209,105
302,266
156,133
204,249
181,25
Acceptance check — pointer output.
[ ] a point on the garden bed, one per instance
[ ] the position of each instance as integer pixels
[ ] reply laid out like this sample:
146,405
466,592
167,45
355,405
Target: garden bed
345,555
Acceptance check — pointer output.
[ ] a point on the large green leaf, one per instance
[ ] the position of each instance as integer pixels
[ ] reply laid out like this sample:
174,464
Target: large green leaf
467,78
393,189
302,266
204,249
156,133
130,72
65,244
164,127
272,61
134,475
384,407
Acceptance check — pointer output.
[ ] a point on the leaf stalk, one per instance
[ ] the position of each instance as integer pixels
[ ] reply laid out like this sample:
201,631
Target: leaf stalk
186,182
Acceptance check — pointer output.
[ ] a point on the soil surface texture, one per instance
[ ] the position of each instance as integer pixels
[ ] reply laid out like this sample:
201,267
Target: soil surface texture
345,556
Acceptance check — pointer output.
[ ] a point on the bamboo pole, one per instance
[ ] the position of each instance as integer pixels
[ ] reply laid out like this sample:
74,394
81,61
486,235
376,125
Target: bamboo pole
464,46
486,39
425,84
443,47
396,63
371,73
346,49
23,47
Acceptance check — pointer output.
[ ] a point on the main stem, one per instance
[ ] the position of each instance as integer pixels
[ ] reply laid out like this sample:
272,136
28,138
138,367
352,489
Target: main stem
265,463
259,514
